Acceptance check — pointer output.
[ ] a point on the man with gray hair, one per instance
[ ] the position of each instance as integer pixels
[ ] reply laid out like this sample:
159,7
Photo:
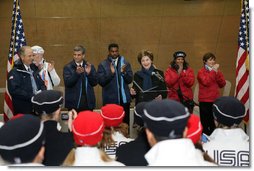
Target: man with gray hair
79,79
46,70
24,82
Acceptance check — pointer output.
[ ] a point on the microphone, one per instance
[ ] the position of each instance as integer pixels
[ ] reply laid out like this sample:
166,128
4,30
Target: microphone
157,74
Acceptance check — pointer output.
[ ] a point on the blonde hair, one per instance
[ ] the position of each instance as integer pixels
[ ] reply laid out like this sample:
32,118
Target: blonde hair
70,158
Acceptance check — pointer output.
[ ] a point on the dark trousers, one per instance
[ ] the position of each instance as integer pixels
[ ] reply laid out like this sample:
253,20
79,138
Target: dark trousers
206,117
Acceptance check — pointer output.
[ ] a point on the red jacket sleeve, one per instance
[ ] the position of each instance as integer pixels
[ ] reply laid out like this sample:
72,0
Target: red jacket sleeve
220,79
188,77
171,77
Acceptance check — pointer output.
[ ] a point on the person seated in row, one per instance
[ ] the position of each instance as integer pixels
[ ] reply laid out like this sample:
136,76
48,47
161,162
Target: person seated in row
166,130
133,152
47,106
87,129
22,141
116,132
228,144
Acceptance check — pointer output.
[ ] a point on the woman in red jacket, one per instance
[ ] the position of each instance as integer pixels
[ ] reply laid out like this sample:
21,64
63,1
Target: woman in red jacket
179,78
210,80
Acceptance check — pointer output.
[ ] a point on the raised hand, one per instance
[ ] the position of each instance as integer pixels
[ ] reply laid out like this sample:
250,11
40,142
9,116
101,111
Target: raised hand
112,68
180,69
133,92
72,115
80,69
123,68
51,66
88,68
216,67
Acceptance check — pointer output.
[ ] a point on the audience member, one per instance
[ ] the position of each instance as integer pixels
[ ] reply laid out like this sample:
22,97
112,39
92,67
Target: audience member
228,144
116,132
22,141
88,130
166,127
132,153
194,132
210,80
47,105
46,70
24,82
79,80
114,76
149,83
179,79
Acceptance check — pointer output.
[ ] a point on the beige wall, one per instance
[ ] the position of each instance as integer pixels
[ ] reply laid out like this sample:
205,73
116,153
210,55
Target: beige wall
162,26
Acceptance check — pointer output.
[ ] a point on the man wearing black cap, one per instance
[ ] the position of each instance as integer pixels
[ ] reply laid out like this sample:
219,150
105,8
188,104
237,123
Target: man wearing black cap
22,141
228,144
179,78
24,82
47,105
166,128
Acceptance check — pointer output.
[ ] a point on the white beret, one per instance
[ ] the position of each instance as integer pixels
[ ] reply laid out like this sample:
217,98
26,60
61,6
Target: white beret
37,49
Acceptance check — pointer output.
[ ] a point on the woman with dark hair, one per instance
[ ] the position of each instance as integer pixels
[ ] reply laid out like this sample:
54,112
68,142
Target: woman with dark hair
149,83
179,78
210,80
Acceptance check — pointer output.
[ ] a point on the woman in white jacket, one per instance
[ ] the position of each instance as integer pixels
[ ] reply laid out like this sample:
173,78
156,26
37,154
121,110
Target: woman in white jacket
87,130
47,70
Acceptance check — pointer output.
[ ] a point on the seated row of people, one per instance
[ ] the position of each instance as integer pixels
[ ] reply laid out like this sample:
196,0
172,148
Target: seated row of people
170,136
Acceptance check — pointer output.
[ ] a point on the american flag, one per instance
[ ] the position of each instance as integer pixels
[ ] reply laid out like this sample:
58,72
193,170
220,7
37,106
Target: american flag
17,40
242,63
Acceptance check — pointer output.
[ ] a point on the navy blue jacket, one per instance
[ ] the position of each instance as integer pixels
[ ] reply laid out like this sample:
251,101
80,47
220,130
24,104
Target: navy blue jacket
133,153
108,81
73,86
20,88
